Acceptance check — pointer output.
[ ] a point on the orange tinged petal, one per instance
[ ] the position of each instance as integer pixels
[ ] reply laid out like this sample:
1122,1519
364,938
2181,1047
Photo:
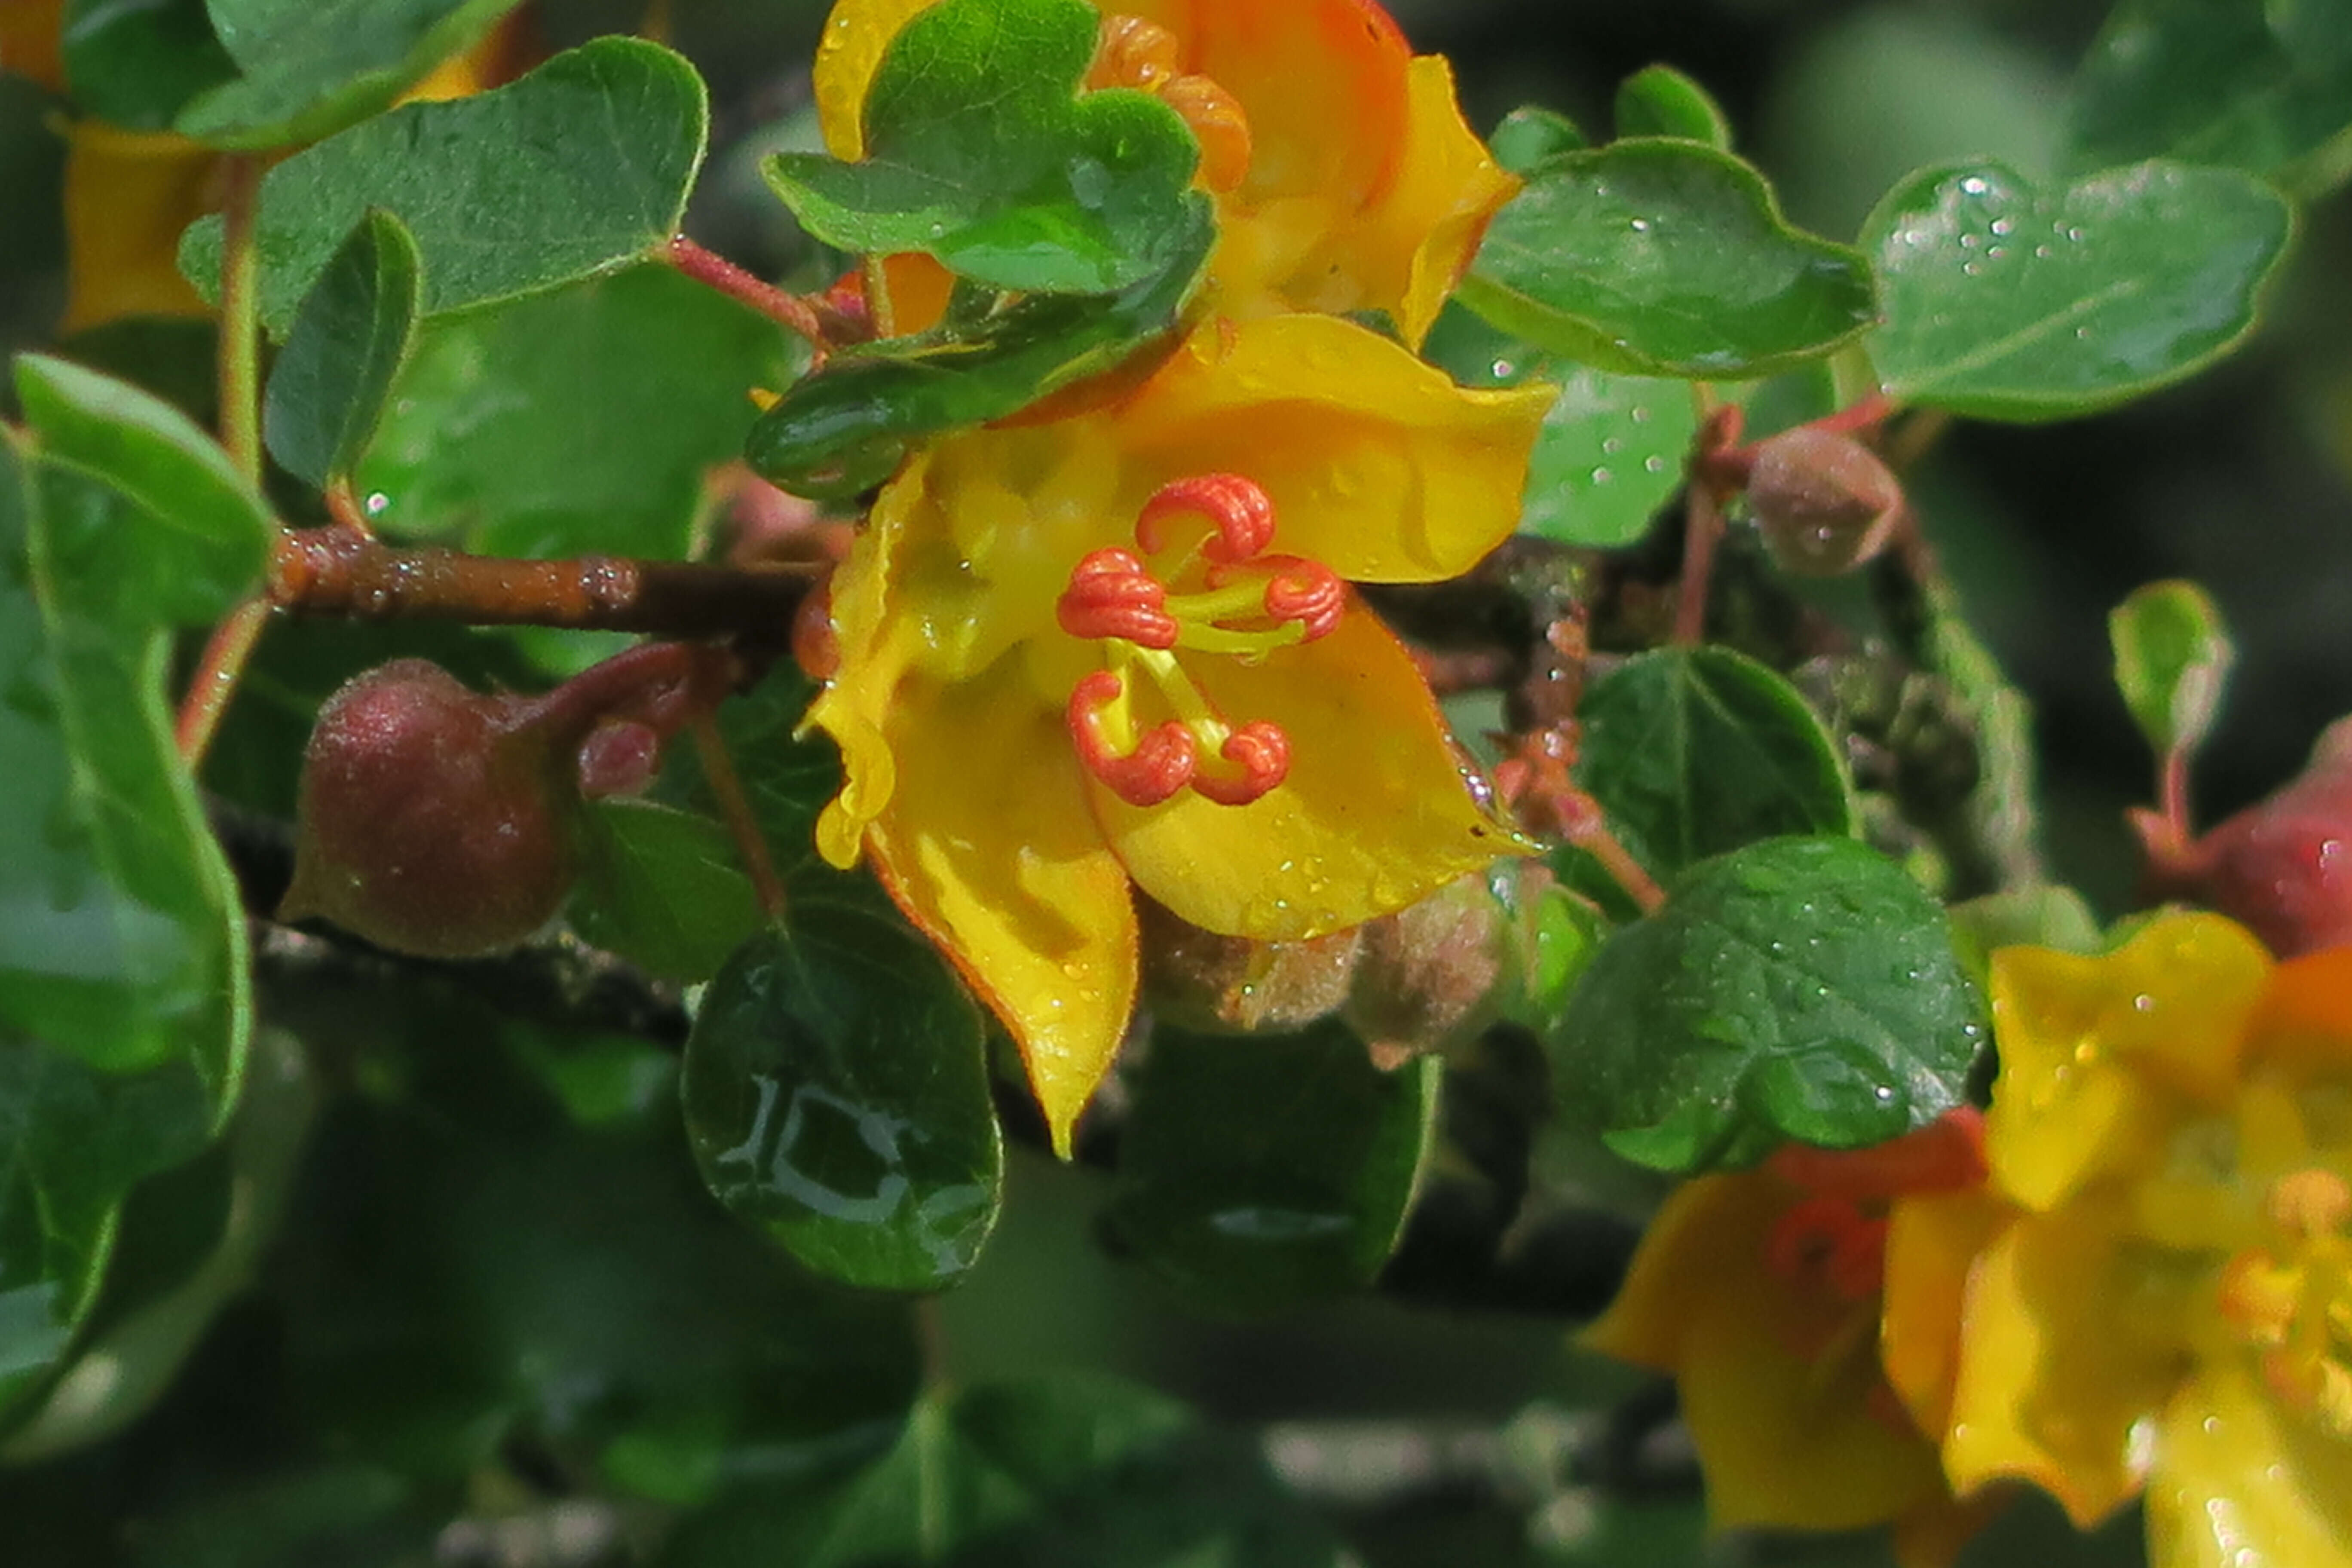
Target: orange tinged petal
1433,214
2306,1018
29,36
1378,465
1374,815
1040,921
2244,1484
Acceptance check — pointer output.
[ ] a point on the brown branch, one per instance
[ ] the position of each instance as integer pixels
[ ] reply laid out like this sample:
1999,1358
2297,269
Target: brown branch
336,572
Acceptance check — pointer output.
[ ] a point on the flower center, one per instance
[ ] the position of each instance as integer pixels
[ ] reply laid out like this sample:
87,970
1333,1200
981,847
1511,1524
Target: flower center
2290,1299
1146,55
1218,594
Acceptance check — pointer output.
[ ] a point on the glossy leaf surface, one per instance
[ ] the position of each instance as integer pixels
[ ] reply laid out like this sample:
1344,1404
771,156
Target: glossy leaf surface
2008,301
663,888
2173,655
1659,100
1800,988
1611,449
980,150
1657,256
329,386
1256,1172
2265,88
507,194
581,422
136,66
1068,1471
837,1095
1531,133
310,68
1694,751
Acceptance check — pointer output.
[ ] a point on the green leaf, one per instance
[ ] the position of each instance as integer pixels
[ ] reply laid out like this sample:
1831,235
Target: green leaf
577,423
1531,133
847,427
1068,1471
2173,655
980,151
2044,914
310,68
202,532
1257,1172
1657,256
135,63
2257,85
663,888
1611,450
1693,752
1801,988
329,385
836,1097
581,168
2004,301
1660,100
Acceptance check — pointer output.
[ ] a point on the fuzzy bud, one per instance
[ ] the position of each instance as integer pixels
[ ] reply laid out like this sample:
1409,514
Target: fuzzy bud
1431,972
432,820
1824,502
1200,980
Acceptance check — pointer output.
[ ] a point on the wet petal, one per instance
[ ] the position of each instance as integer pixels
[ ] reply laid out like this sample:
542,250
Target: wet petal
2242,1483
1375,813
2061,1367
2099,1054
858,34
1932,1244
1378,465
988,846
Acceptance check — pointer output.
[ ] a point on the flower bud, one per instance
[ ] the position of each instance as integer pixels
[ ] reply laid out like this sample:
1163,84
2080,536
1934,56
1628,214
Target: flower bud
432,820
1200,980
1824,502
2281,868
1430,972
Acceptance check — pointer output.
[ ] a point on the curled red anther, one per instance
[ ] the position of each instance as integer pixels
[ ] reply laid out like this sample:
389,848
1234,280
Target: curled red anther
1161,763
1263,752
1308,592
1111,596
1829,1241
1235,507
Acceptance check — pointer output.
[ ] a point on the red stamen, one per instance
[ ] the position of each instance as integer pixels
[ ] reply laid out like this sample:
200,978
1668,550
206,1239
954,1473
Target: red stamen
1161,763
1239,511
1308,592
1263,752
1111,596
1828,1241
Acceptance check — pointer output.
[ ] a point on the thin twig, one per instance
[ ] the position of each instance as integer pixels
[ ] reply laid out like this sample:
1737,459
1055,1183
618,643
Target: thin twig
735,810
206,699
787,309
241,334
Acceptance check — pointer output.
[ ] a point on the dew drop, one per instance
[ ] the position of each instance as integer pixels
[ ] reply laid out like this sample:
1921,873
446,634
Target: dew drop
1602,476
376,504
1975,185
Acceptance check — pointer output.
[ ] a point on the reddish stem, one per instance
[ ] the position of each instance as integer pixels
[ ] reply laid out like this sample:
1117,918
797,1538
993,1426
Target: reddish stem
1702,528
788,309
735,810
2172,793
217,673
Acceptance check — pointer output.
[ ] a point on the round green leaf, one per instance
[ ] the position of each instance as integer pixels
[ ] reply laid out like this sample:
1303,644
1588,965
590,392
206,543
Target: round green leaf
836,1097
1531,133
137,65
2173,655
1660,100
2261,86
2004,301
1257,1172
329,386
1801,988
980,151
580,168
1693,752
663,889
1658,256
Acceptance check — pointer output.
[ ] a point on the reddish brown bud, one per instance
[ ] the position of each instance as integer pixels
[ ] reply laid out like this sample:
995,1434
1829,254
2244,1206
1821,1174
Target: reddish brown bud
1823,501
2283,867
1430,972
432,820
1200,980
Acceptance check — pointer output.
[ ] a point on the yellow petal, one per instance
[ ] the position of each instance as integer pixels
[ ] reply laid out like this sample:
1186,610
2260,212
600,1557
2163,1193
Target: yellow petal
2242,1483
2099,1054
1416,239
1374,815
128,194
1378,465
2060,1373
1932,1244
987,845
1779,1383
857,34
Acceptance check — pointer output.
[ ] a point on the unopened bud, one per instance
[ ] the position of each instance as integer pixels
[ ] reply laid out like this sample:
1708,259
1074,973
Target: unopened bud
1824,502
2283,867
1430,972
1200,980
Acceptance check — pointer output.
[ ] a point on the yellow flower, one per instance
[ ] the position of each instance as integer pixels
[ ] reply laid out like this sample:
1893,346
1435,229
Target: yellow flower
1759,1292
1117,647
2164,1295
1345,177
